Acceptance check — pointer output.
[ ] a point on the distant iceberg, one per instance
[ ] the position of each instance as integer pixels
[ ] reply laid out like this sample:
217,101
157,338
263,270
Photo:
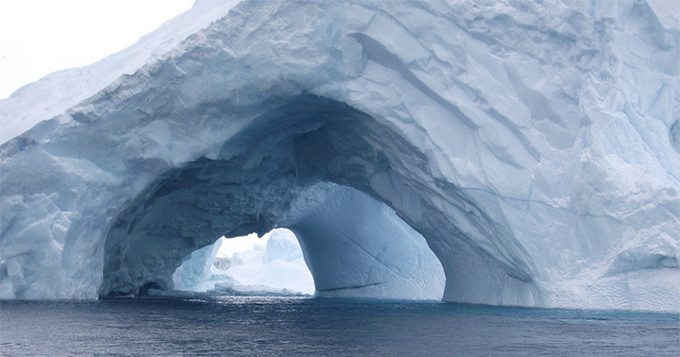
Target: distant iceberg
276,266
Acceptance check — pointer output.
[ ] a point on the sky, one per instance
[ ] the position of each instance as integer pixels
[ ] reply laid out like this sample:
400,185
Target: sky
38,37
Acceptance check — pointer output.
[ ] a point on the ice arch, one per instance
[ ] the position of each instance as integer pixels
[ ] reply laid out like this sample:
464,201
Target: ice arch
354,246
321,169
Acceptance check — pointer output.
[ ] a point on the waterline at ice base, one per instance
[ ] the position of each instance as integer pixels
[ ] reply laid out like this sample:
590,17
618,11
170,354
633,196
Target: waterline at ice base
495,152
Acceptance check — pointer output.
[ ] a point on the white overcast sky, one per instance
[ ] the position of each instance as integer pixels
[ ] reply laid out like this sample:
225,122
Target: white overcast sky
38,37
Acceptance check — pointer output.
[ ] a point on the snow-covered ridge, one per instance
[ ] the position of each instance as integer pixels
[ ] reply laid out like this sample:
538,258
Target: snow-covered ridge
59,91
534,146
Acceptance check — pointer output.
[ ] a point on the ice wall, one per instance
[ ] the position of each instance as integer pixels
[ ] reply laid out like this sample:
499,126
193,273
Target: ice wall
358,247
533,145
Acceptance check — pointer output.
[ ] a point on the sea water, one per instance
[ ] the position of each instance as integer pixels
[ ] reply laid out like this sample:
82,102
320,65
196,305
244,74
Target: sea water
297,326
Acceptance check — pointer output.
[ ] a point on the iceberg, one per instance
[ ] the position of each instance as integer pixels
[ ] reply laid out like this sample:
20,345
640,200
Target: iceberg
198,272
516,153
278,265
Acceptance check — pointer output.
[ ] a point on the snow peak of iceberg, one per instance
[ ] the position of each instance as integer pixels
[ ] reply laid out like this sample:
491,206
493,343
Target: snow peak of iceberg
533,147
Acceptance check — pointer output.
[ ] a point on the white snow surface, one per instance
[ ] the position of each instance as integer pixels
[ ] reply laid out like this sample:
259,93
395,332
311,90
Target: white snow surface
535,147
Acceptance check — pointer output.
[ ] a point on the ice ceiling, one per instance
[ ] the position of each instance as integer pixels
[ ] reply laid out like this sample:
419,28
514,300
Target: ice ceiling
525,153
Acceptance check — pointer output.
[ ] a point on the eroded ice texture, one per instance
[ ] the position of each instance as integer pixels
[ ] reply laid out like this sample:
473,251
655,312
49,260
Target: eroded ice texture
534,146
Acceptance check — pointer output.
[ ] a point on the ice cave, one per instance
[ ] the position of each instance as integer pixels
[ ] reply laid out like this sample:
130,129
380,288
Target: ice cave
496,152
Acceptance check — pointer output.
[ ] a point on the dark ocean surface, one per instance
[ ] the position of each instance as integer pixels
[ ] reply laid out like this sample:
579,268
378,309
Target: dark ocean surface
294,326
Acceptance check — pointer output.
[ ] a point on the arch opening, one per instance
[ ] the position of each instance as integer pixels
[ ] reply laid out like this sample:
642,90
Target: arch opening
269,265
330,174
